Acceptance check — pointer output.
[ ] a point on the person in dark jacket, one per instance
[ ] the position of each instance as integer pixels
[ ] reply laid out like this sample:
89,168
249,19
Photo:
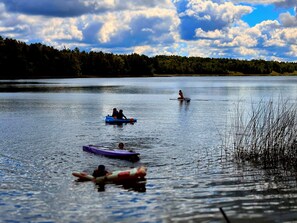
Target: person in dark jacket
121,115
100,171
115,113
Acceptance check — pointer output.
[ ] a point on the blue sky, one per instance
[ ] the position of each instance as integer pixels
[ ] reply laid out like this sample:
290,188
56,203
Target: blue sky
265,12
242,29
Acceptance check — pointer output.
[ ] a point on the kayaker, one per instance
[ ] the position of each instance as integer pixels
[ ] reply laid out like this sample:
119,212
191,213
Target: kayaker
100,171
121,145
115,113
121,115
181,95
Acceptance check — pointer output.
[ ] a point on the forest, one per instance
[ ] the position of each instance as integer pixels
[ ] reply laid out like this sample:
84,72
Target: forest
19,60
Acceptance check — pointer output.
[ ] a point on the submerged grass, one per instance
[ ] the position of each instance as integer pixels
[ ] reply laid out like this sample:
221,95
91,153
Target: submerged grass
266,137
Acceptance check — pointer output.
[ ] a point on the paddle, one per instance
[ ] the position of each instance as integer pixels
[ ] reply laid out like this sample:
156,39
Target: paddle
225,216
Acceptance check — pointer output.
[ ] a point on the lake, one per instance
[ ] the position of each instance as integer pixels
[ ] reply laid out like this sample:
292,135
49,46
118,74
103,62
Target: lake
45,123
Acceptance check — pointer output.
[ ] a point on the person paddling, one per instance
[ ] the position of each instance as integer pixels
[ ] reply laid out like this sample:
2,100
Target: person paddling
121,115
181,95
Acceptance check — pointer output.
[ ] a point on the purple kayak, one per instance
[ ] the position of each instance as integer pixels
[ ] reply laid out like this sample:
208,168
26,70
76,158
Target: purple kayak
113,153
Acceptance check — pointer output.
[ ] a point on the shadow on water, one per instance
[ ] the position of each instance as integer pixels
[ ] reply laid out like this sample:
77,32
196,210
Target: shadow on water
136,186
14,88
120,125
132,159
184,104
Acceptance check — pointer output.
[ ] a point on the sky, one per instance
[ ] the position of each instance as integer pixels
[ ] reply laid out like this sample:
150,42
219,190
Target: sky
241,29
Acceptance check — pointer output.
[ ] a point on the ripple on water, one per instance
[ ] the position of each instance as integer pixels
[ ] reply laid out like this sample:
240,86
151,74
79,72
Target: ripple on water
42,134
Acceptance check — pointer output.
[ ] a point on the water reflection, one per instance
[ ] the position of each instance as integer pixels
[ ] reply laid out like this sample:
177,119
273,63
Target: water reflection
45,88
136,186
42,134
184,104
60,87
131,185
120,125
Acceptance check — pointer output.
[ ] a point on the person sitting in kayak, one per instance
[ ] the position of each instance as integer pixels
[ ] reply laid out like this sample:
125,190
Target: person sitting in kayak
121,115
100,171
121,145
115,113
181,95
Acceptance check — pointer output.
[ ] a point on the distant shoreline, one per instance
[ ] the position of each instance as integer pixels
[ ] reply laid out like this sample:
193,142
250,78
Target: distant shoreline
237,74
161,75
37,61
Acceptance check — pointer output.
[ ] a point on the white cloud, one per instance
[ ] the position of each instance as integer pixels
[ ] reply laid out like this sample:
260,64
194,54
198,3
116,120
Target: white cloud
208,10
293,51
110,28
250,52
208,16
236,36
127,27
255,2
282,37
210,34
289,34
288,20
205,28
61,29
139,27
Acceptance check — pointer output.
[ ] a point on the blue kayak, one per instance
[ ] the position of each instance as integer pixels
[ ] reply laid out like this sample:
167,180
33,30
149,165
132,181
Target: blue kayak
112,120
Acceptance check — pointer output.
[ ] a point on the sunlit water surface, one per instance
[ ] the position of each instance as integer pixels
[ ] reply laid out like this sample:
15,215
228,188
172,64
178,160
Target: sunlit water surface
45,123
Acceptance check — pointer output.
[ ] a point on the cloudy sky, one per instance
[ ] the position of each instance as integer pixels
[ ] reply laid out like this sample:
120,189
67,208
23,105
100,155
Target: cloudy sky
243,29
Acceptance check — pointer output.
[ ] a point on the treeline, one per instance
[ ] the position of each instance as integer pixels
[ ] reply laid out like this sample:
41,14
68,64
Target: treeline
223,66
20,60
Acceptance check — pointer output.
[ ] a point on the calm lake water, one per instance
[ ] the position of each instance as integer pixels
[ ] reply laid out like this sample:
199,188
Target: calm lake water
45,123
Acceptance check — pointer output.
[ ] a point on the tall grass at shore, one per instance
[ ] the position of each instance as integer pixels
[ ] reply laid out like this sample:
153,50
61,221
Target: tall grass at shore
266,136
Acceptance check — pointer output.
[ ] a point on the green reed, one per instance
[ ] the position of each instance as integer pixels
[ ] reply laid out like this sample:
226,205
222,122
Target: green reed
267,136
